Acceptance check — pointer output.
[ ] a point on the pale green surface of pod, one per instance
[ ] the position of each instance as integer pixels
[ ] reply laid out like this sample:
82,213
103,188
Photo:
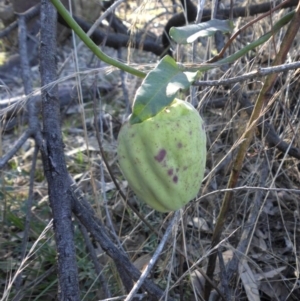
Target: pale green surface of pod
163,158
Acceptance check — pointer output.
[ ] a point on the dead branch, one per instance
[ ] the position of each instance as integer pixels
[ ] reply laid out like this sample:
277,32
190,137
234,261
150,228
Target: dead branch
87,217
34,127
254,74
97,265
28,15
18,144
54,160
266,130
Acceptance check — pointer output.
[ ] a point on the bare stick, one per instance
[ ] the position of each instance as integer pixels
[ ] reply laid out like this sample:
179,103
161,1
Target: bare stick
28,15
97,265
54,159
15,148
254,74
153,259
34,128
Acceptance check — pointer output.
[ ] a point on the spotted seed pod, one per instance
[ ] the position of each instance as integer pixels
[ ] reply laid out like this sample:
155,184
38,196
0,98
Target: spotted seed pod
163,158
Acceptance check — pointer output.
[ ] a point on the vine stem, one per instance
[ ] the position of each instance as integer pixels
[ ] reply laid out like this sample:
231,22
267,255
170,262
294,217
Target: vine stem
90,44
260,104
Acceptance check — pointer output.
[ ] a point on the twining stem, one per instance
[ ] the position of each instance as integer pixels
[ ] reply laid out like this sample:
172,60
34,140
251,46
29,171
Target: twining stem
240,53
243,28
90,44
260,104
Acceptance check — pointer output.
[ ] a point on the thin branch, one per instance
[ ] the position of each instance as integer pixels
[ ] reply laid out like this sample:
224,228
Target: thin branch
255,9
35,130
84,212
32,109
234,35
153,259
97,265
28,15
266,189
28,215
254,74
260,104
249,225
26,72
266,129
123,85
18,144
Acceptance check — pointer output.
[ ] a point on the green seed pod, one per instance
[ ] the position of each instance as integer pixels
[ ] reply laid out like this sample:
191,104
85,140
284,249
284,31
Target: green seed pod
163,158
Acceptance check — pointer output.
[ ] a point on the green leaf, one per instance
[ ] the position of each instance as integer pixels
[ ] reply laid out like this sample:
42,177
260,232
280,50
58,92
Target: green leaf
159,89
190,33
240,53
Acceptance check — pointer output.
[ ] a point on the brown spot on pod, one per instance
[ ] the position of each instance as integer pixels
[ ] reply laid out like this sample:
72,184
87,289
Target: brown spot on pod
170,171
179,145
175,179
160,155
